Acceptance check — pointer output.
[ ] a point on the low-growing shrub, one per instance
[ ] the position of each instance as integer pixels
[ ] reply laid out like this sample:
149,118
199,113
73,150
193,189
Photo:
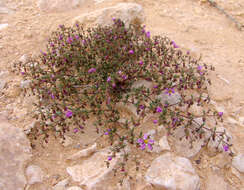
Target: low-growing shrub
85,74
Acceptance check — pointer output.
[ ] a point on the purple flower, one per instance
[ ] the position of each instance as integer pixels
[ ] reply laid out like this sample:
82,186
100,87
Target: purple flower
70,40
113,85
148,34
156,86
76,130
110,158
77,37
170,91
81,127
175,45
52,96
83,41
131,51
124,77
220,114
141,62
68,113
142,107
108,79
174,120
155,121
159,109
107,132
199,68
22,73
43,53
145,141
188,52
60,37
91,70
226,148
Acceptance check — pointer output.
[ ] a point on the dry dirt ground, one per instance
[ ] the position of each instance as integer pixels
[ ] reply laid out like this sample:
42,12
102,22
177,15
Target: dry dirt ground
193,25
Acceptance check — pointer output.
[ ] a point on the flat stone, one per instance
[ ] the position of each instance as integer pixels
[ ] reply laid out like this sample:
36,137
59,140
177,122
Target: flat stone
25,83
23,58
84,153
93,172
34,174
15,150
238,162
142,83
127,12
171,172
171,99
183,147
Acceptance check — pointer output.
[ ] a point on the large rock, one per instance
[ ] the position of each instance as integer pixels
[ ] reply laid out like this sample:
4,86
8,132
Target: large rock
34,174
59,5
15,150
93,172
171,172
127,12
172,99
183,147
83,153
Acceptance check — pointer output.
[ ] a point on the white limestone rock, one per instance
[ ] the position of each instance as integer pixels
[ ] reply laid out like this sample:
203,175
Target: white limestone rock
34,174
25,83
174,98
15,150
84,153
93,172
171,172
183,147
127,12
